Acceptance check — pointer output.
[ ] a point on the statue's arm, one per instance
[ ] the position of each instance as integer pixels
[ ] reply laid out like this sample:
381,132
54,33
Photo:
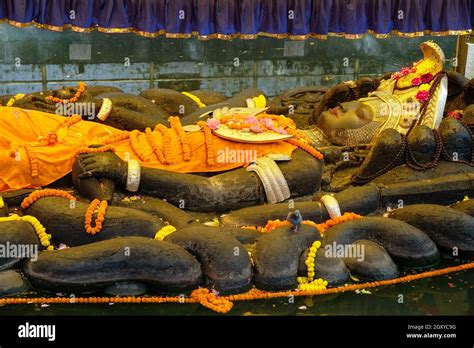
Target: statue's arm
187,191
233,189
230,190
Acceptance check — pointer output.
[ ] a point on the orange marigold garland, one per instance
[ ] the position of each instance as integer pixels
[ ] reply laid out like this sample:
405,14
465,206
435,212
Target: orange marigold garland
312,224
70,121
102,205
175,123
255,228
297,134
211,301
256,294
337,220
272,224
209,143
306,147
83,150
224,303
34,167
115,138
166,142
52,137
77,95
34,196
156,150
137,148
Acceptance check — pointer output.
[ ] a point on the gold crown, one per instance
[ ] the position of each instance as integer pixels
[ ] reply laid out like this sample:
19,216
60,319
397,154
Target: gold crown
432,51
432,62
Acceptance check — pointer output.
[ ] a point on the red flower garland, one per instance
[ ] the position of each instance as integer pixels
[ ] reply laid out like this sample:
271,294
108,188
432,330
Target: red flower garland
457,114
402,73
416,81
422,96
427,78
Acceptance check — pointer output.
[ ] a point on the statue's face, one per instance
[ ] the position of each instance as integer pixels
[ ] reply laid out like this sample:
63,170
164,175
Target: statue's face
348,115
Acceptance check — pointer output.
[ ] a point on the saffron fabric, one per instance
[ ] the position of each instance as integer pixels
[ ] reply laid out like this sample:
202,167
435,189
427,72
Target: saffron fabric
21,130
296,19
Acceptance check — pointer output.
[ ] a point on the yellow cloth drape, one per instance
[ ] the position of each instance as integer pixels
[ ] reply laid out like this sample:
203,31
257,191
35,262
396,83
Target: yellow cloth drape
21,129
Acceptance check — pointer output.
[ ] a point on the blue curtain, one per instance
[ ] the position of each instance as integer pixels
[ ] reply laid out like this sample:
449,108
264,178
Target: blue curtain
296,19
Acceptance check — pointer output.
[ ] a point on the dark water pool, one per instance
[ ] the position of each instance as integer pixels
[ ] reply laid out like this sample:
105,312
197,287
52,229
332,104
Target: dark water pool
451,294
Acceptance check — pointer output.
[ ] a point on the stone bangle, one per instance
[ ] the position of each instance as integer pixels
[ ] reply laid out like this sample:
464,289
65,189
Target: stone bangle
133,176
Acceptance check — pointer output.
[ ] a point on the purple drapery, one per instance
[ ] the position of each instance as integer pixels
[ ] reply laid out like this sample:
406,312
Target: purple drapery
297,19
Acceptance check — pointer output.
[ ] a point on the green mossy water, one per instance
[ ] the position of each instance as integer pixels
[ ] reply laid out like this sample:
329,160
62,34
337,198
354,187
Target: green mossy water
451,294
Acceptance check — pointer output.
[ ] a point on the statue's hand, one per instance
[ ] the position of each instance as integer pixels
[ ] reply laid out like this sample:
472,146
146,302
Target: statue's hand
103,165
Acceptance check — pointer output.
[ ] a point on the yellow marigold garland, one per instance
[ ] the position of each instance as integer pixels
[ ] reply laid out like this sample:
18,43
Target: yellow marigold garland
165,231
195,99
309,283
15,98
40,231
45,239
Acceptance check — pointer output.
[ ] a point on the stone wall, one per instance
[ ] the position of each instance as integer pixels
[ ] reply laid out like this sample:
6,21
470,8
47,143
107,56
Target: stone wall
32,59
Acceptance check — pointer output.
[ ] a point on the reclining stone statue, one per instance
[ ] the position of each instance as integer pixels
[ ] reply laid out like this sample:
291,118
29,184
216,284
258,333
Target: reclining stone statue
399,118
355,114
181,166
172,160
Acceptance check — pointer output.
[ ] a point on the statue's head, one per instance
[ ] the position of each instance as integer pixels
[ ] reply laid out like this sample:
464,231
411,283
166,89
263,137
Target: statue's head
349,115
354,118
65,92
